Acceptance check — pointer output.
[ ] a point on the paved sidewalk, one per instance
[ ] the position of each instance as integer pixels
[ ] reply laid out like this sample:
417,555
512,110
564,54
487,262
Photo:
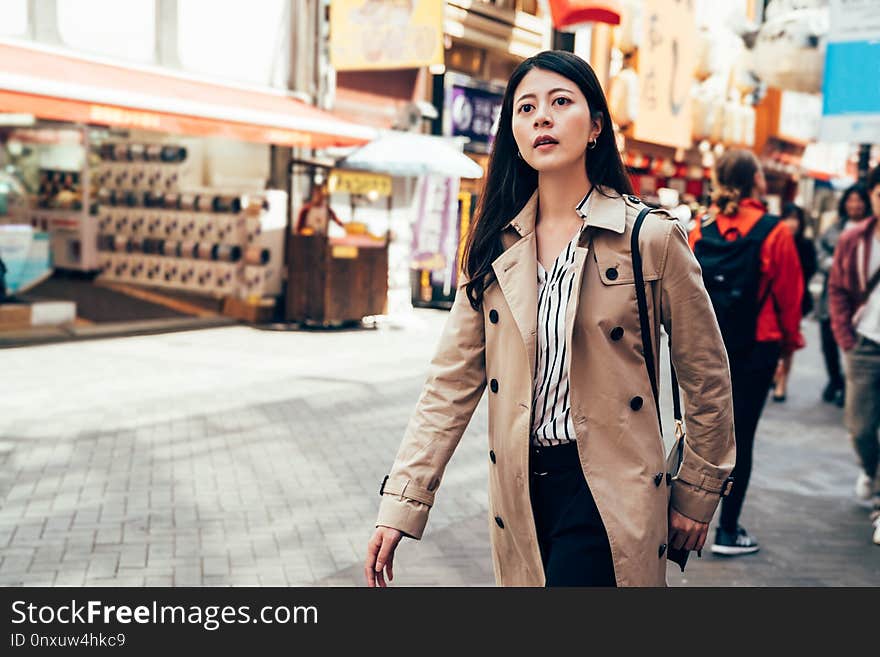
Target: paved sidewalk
235,456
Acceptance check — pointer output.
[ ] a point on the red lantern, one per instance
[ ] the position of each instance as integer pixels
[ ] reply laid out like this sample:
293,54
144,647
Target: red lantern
567,13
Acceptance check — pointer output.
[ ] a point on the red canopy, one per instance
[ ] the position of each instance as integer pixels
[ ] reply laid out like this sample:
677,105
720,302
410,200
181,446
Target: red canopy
566,13
64,87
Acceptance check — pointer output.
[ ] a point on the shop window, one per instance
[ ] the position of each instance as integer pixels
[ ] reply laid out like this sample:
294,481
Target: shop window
465,58
241,41
15,18
122,30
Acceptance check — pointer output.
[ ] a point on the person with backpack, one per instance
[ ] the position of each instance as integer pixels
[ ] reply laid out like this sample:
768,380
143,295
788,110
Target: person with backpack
753,275
854,302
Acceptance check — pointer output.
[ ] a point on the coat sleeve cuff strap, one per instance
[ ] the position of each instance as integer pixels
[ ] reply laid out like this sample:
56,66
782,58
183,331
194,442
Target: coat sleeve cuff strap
694,477
407,489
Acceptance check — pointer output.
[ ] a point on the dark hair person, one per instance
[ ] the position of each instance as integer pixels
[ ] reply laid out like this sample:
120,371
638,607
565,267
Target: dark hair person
579,492
794,217
774,329
853,207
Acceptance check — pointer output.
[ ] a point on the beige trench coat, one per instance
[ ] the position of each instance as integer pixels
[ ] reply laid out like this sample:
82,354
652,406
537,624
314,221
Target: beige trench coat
619,441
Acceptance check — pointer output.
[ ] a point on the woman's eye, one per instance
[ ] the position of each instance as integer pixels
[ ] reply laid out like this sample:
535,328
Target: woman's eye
562,101
525,107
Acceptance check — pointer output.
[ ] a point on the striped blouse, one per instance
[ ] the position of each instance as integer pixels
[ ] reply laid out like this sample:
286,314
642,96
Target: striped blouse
551,407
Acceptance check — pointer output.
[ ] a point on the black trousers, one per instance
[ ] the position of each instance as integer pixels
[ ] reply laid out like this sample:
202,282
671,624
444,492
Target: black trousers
831,352
750,377
573,541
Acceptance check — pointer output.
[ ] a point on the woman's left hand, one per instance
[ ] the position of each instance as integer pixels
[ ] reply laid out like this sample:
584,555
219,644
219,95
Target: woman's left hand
686,533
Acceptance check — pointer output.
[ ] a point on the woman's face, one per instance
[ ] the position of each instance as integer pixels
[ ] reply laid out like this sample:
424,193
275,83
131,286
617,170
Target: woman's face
854,207
551,121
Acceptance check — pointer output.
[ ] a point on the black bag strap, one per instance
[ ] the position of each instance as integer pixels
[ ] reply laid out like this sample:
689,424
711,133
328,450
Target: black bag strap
645,325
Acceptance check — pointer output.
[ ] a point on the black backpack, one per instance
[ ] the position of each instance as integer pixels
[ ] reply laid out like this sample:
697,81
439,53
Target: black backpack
732,275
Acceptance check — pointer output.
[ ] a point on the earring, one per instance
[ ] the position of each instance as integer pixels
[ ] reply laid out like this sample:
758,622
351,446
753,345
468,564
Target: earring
592,144
518,154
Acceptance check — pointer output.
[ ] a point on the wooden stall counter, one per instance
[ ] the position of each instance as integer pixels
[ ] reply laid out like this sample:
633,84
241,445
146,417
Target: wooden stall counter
336,280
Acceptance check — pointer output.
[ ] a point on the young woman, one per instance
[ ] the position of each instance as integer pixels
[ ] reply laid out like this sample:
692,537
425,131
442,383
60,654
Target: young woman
793,217
736,211
579,493
853,207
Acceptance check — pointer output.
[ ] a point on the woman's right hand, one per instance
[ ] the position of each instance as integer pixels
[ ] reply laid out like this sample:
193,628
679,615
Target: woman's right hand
380,556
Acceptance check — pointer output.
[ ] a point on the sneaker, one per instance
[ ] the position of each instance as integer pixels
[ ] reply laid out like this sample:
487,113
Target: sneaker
875,517
830,391
732,544
864,487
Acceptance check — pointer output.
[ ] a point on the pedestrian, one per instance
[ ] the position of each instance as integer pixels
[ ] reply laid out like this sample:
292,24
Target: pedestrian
795,220
751,268
579,490
853,207
854,302
316,214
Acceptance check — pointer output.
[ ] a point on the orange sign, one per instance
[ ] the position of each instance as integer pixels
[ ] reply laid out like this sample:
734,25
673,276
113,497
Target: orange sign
666,71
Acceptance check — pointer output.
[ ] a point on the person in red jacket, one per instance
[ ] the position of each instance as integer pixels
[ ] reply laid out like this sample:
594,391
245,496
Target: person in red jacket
854,304
736,209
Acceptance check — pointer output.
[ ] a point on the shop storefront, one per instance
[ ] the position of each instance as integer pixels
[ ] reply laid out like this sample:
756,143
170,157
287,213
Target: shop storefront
154,184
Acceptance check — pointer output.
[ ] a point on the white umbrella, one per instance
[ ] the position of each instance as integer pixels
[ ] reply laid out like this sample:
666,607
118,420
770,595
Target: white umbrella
412,154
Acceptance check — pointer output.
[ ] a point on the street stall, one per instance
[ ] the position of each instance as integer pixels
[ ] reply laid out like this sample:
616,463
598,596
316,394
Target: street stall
151,187
441,211
343,271
340,267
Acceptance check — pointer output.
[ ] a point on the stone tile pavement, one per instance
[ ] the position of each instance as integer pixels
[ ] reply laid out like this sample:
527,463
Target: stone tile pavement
236,456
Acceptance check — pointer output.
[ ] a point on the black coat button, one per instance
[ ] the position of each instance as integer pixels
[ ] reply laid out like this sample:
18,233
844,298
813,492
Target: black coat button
493,316
492,456
493,385
617,333
668,479
662,550
636,403
499,522
611,273
658,479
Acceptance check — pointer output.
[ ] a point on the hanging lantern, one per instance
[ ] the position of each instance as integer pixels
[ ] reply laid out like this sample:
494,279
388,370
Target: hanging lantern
568,14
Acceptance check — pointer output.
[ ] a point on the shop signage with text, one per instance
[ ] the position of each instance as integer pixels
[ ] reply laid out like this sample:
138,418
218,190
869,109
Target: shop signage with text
355,182
472,111
385,34
666,66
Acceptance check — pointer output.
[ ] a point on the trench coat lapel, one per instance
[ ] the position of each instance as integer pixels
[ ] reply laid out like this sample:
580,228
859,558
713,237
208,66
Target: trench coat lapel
517,273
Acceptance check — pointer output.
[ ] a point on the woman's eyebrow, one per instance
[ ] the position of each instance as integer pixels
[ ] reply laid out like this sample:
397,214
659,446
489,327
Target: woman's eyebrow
552,91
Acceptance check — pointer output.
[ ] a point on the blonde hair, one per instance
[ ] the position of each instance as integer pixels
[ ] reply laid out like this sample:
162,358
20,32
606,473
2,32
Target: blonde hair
733,180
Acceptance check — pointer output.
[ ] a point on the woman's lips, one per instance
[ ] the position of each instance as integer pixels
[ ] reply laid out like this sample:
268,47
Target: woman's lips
546,146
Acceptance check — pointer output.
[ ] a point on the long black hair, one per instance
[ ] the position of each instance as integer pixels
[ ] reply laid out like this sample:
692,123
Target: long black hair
794,210
860,191
510,181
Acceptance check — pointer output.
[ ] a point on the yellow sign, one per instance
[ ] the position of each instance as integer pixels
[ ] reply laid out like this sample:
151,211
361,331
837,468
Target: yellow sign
343,252
667,58
353,182
384,34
